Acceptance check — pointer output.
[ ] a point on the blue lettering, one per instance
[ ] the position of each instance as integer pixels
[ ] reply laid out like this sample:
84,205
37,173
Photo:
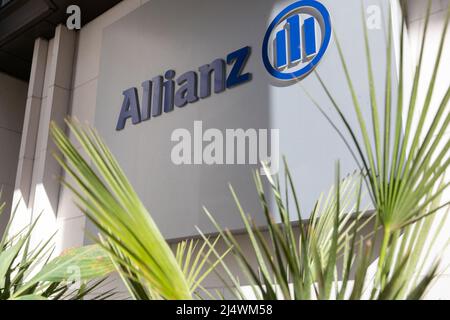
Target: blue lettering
239,58
130,109
160,95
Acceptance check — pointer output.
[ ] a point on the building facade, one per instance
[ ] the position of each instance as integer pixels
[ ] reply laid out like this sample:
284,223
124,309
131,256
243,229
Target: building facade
115,61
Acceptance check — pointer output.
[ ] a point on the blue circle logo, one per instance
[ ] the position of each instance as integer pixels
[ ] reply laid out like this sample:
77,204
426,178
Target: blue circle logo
297,40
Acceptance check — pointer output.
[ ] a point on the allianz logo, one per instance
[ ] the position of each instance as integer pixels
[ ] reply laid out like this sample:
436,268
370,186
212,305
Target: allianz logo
296,40
296,50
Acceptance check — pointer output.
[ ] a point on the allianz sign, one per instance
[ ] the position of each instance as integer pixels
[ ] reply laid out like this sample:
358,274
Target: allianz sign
296,51
159,93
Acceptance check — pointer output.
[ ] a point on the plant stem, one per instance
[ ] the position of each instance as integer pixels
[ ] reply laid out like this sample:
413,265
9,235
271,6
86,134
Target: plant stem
386,237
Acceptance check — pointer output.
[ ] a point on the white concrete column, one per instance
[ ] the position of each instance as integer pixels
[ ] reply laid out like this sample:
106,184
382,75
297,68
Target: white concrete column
71,220
45,185
21,199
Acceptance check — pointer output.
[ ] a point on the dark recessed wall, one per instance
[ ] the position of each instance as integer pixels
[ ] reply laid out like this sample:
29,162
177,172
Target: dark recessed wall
22,21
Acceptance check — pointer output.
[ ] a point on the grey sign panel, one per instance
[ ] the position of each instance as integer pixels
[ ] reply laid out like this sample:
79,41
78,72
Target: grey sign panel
184,35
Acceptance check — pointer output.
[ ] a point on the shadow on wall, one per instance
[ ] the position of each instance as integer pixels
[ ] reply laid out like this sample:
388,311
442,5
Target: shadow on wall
13,96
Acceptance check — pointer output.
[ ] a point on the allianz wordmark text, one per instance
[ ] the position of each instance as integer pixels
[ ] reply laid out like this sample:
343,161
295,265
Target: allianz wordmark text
297,49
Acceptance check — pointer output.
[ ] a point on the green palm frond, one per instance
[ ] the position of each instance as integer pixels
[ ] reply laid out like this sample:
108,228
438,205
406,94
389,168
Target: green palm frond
403,159
30,273
299,262
330,255
195,257
141,255
402,167
115,208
